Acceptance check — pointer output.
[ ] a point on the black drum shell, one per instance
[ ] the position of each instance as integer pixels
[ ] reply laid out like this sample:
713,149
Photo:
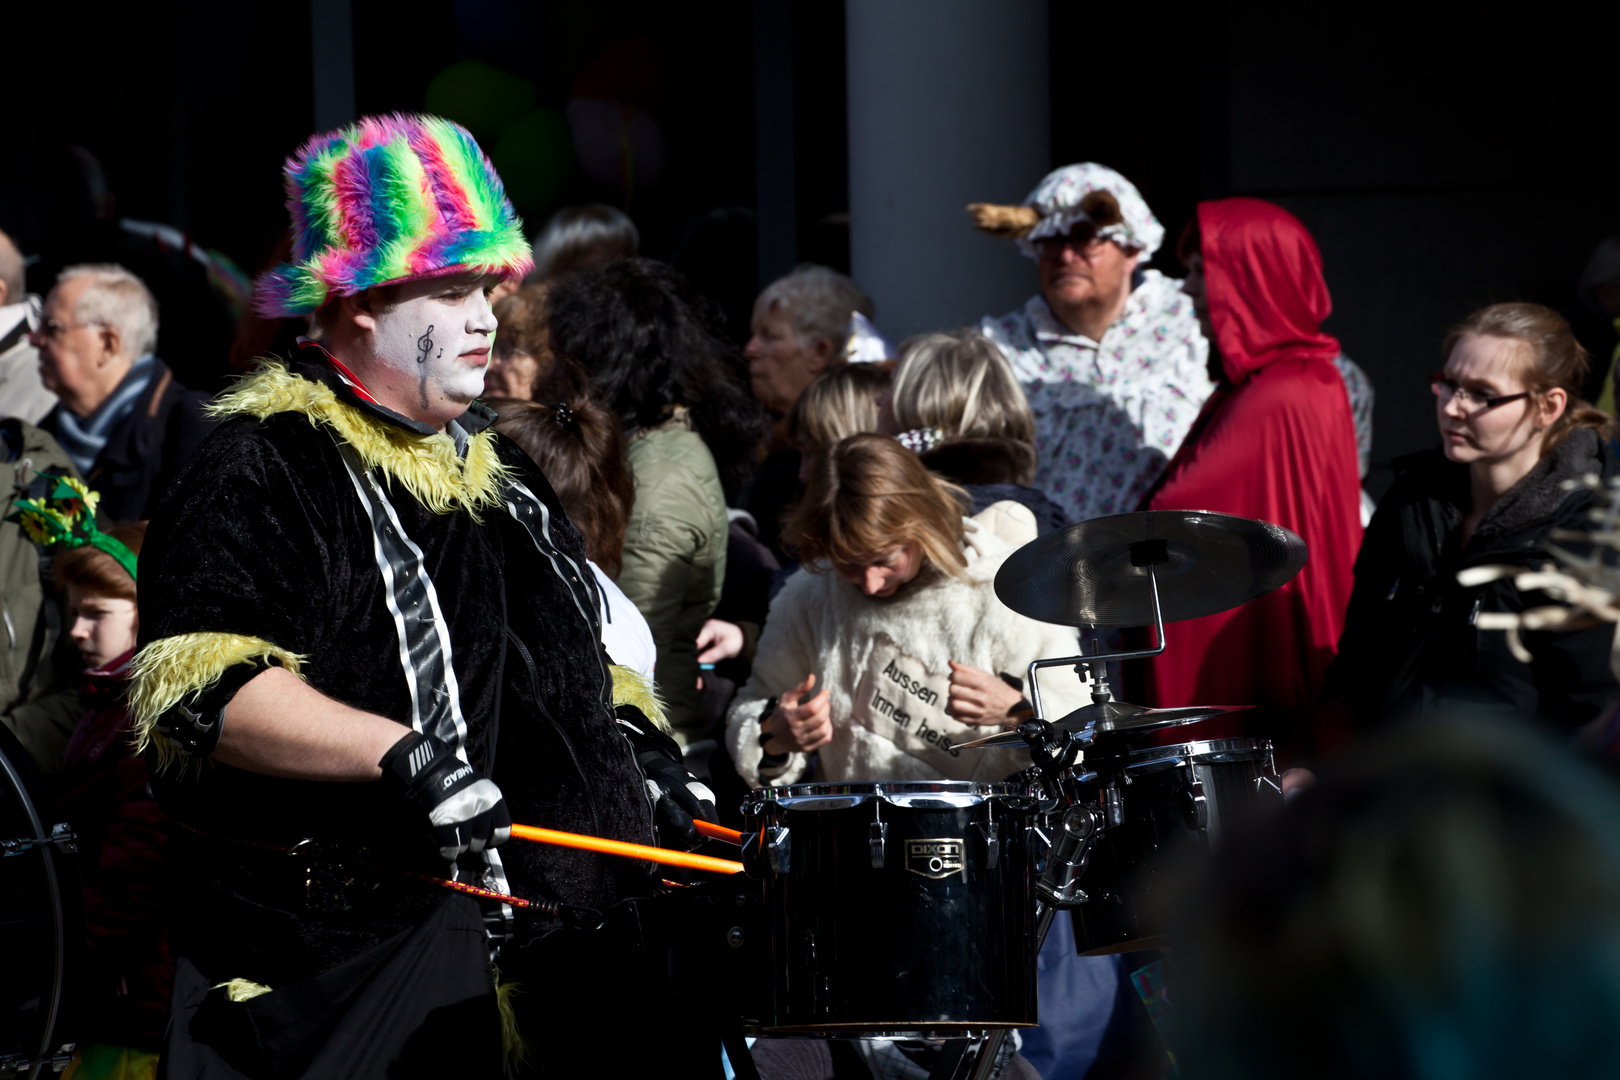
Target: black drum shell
911,947
1176,804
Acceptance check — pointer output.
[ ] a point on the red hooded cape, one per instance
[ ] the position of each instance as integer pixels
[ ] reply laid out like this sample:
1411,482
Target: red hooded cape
1276,443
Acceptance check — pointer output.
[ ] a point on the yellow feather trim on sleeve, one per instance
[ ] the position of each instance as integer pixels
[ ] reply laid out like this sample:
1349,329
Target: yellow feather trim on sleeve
426,465
631,687
175,669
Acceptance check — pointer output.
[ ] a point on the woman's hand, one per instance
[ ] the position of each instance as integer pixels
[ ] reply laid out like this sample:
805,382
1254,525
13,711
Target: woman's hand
978,697
719,640
800,727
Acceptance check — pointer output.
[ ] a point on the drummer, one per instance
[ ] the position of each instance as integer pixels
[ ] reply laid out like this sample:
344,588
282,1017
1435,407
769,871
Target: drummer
889,649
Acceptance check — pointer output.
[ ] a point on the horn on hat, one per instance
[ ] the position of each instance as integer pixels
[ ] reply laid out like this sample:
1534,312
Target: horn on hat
1007,221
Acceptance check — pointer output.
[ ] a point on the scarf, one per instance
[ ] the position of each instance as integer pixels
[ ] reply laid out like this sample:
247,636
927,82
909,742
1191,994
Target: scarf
83,439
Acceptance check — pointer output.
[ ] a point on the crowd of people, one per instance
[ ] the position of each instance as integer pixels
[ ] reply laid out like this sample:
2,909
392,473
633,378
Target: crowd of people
530,497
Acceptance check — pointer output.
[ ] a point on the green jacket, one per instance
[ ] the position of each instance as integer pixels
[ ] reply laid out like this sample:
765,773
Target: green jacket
36,656
675,557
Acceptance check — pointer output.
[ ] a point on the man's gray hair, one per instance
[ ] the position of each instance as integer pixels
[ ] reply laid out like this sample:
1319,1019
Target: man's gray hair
119,299
817,302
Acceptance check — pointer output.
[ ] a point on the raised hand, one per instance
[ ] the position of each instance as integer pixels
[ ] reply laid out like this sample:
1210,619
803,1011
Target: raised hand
719,640
800,727
978,697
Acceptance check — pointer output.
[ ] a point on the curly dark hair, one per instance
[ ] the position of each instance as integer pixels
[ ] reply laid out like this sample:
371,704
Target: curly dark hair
649,341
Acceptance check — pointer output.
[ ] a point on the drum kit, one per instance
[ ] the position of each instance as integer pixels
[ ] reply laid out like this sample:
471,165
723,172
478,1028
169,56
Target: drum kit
886,909
917,909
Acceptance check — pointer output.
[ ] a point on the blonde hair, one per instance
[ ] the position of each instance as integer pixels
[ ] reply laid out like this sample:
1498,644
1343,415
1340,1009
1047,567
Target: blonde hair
868,494
837,404
1552,359
961,384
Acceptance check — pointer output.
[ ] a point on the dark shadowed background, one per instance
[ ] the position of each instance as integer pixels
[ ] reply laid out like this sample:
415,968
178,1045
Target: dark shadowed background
1441,164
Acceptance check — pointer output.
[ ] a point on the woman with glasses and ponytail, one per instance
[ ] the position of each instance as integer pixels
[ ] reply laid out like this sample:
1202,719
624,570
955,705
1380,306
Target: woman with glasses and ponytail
1514,435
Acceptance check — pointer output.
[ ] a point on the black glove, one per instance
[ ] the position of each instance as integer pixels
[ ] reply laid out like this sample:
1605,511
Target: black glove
677,796
465,809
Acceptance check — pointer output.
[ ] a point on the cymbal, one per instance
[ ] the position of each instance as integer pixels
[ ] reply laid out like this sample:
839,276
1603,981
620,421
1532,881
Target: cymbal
1096,573
1112,716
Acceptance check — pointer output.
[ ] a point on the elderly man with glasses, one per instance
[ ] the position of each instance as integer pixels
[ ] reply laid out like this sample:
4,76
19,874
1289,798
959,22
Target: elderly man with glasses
1109,352
123,419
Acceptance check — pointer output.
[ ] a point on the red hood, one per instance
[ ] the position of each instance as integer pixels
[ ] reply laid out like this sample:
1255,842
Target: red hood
1263,275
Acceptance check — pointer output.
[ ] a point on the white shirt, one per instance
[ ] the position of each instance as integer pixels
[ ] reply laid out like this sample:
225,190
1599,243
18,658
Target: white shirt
1109,415
625,633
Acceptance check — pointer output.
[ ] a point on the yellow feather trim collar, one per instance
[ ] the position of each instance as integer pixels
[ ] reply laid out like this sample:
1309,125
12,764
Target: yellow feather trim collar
426,465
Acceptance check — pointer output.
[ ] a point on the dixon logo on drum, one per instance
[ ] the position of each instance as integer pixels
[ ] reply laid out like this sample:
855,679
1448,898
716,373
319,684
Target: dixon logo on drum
934,858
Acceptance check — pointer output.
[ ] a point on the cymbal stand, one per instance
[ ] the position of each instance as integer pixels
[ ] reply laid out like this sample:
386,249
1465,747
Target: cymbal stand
1058,887
1095,665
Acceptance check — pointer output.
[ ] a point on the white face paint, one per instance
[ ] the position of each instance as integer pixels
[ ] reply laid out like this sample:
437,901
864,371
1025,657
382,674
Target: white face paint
430,346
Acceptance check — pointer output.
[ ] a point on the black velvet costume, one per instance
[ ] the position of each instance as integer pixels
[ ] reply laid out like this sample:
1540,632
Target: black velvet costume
266,537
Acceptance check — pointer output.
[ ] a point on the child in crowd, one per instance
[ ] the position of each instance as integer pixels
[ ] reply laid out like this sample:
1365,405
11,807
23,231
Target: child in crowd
122,834
957,403
889,648
579,448
837,404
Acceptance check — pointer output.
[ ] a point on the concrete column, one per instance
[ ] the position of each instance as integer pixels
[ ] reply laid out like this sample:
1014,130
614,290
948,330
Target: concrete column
948,104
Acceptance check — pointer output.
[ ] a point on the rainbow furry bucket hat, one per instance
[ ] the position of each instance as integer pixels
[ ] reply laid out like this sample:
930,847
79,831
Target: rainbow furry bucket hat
390,199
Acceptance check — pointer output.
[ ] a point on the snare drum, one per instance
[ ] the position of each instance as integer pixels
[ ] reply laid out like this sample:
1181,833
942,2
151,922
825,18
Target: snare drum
894,909
1177,796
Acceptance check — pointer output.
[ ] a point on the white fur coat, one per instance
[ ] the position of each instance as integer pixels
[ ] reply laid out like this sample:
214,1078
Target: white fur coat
885,660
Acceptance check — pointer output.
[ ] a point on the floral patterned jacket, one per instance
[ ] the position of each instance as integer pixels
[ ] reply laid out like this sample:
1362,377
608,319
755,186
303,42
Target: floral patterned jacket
1109,415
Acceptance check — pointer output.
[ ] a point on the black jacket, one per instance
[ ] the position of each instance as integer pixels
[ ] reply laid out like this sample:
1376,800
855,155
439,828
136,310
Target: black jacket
993,470
146,450
1411,645
265,537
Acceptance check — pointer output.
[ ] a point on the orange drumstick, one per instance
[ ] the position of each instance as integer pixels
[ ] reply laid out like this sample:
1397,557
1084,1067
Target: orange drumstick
632,851
718,832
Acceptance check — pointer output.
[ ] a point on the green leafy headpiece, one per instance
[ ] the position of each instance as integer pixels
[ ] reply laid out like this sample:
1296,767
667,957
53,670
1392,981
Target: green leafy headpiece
66,518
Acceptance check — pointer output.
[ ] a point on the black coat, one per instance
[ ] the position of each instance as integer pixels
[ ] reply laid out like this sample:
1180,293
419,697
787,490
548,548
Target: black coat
1411,644
265,537
993,470
148,448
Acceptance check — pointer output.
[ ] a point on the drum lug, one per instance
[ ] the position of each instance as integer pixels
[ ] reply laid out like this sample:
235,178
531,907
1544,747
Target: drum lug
777,850
1267,785
992,844
879,833
1197,807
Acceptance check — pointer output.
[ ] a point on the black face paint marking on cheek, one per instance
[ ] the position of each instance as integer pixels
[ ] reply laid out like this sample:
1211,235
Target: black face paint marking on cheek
424,345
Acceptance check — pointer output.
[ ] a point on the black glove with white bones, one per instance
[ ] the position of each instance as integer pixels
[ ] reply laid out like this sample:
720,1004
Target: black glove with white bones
465,809
677,796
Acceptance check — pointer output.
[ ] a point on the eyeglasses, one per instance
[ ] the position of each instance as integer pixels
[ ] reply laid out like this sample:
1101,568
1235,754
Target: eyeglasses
50,328
1086,245
1446,388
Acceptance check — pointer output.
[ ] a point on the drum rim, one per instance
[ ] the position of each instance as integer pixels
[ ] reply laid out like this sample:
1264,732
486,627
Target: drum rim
1234,748
53,997
890,787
